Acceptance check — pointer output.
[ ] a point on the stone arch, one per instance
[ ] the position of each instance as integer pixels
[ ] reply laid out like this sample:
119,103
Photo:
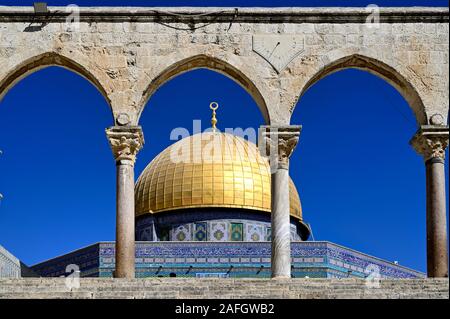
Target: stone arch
203,61
41,61
374,66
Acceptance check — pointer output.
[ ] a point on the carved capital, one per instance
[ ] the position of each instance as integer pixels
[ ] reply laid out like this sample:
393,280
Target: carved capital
125,142
431,142
278,143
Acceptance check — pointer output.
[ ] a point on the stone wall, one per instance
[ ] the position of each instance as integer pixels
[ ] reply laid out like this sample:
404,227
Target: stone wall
101,288
9,264
275,54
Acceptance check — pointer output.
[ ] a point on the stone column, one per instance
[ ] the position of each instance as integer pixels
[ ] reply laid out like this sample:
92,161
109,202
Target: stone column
125,143
431,142
278,143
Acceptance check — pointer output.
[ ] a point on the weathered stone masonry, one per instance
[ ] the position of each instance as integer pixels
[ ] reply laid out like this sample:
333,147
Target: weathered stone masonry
275,54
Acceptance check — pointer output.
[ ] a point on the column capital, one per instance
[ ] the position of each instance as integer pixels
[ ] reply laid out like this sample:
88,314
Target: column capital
125,142
431,141
278,143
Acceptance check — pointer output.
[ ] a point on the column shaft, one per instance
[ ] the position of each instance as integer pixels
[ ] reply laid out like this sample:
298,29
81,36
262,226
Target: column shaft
431,141
278,143
125,244
437,253
125,143
281,238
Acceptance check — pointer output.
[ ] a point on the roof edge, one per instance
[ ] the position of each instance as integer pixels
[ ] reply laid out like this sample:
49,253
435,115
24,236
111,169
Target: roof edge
242,14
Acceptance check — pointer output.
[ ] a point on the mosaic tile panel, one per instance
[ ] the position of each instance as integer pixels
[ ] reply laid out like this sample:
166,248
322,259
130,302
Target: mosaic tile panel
181,233
254,232
254,226
218,231
201,231
236,232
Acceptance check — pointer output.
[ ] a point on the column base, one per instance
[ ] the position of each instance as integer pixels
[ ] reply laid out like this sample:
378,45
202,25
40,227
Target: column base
281,277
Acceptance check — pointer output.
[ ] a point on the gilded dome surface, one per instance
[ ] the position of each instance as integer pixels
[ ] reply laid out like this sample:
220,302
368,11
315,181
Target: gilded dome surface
208,170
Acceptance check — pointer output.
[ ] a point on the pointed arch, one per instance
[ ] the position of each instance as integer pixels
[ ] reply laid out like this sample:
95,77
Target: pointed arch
378,68
41,61
207,62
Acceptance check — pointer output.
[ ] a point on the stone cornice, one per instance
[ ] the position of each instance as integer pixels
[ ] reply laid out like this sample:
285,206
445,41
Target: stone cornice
228,14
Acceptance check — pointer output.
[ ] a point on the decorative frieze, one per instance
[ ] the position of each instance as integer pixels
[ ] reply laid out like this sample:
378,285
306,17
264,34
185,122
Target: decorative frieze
212,230
187,259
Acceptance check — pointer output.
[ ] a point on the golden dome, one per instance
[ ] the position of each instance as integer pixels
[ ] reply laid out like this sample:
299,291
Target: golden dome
208,170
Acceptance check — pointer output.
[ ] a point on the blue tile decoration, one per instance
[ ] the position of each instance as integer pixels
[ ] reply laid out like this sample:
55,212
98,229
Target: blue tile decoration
237,231
181,236
218,231
249,259
254,232
200,233
88,259
219,235
218,225
181,233
268,234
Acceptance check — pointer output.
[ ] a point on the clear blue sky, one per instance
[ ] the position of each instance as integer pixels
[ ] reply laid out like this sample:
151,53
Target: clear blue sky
361,184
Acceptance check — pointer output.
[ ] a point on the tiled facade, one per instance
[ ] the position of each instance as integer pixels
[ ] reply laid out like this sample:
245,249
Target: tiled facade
225,259
212,224
9,265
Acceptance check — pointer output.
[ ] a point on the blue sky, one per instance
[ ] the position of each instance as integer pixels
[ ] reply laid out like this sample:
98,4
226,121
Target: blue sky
361,184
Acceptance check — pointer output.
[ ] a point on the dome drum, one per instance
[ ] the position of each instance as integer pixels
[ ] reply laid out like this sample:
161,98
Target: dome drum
212,224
